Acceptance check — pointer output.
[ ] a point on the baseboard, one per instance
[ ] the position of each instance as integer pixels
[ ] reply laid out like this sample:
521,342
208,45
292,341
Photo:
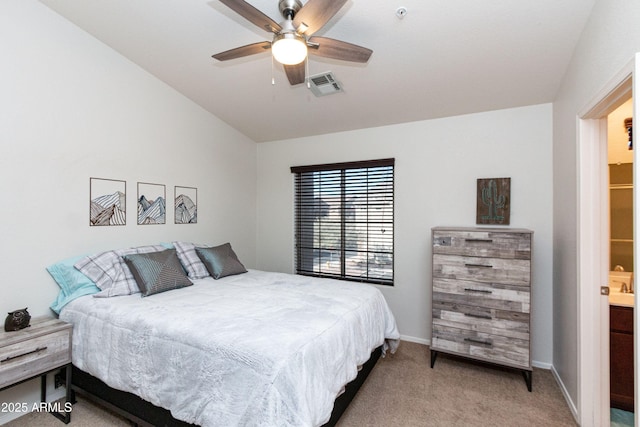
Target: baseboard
565,393
415,339
541,365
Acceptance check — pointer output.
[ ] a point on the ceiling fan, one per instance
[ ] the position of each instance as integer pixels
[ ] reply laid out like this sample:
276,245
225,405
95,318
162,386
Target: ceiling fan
292,38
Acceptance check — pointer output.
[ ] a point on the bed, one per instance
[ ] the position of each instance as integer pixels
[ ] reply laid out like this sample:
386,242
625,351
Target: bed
257,348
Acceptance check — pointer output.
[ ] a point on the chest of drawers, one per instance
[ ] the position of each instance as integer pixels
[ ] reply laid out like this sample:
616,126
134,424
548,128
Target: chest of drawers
481,295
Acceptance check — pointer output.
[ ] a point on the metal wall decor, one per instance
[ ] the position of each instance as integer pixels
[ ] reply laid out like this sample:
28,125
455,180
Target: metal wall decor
493,205
107,202
186,205
151,203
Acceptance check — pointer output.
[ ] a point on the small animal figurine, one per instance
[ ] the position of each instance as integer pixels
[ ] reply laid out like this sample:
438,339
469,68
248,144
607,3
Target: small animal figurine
17,320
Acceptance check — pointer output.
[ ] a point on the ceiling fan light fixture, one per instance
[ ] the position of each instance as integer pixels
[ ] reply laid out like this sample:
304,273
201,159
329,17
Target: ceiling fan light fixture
289,48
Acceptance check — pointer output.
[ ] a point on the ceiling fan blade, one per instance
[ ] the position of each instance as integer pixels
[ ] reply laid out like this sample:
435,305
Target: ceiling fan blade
315,13
239,52
295,73
337,49
253,15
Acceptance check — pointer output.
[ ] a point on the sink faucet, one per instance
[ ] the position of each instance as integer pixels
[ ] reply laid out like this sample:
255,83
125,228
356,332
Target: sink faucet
624,288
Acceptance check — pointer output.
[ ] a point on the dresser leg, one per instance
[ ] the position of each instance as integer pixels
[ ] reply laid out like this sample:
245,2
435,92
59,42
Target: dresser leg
527,378
434,355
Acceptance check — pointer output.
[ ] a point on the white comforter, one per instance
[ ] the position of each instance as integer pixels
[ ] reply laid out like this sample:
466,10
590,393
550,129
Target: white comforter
256,349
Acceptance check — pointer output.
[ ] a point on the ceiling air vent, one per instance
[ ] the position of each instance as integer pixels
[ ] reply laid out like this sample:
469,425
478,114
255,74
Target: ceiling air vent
324,84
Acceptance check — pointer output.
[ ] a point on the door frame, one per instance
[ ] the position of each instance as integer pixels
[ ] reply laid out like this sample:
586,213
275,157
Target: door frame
593,248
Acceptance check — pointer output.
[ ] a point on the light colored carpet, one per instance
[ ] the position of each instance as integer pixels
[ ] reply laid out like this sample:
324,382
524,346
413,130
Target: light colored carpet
403,390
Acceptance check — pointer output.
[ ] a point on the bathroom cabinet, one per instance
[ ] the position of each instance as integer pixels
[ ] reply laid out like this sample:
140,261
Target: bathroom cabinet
621,371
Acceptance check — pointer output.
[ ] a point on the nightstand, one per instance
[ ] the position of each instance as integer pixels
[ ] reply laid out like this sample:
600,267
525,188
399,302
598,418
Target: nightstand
43,347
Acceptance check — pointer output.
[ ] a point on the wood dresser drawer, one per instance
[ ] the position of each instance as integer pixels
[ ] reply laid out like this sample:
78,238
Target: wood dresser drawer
490,295
481,346
488,270
482,243
480,319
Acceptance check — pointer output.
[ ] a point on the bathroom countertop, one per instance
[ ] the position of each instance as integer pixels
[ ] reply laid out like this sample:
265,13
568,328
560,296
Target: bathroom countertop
621,299
619,280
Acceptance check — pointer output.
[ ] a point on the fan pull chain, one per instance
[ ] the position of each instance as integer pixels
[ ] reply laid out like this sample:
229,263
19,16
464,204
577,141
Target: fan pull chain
306,64
273,77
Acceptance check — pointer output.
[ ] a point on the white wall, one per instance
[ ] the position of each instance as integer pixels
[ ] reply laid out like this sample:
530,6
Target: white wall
607,44
71,109
437,165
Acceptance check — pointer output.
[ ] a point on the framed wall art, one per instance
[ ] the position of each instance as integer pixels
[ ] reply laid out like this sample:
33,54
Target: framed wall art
493,205
107,202
186,205
151,203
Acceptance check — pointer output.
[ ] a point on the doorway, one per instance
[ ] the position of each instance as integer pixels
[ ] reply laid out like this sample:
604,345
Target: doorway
621,264
593,249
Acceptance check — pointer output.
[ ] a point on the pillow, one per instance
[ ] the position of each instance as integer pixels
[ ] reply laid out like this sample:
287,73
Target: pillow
72,283
221,261
190,261
157,272
109,271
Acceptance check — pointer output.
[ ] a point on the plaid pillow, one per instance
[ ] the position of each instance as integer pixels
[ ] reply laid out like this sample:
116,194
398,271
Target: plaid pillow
109,271
190,261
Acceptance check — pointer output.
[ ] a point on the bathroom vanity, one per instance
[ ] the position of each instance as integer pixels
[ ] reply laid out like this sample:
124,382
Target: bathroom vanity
621,350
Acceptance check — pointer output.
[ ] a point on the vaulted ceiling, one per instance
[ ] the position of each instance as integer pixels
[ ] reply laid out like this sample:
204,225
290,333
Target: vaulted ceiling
443,58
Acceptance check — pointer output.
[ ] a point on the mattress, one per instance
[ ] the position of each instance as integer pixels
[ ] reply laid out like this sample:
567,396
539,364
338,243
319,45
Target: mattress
259,348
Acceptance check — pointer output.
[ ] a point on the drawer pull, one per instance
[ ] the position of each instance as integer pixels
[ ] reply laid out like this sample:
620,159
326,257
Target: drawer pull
478,341
479,316
479,240
23,354
480,291
478,265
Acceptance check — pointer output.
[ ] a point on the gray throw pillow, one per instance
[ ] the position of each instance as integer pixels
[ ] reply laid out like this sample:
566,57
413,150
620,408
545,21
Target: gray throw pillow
221,261
157,271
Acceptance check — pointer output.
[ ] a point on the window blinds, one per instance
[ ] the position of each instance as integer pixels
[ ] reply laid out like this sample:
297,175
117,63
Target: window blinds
344,220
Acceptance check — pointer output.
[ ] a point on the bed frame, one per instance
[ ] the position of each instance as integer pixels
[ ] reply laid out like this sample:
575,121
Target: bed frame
141,412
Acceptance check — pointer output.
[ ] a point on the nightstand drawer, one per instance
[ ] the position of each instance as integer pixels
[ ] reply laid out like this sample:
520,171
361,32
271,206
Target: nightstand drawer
34,356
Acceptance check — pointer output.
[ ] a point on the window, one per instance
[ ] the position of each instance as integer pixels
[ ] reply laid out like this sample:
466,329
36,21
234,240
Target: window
344,220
